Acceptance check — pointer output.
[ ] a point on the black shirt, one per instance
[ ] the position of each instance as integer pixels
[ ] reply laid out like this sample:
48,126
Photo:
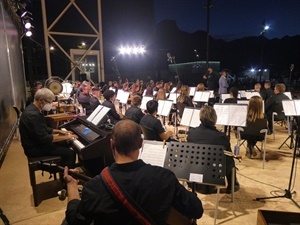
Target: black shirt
85,101
154,188
154,124
33,129
134,113
112,113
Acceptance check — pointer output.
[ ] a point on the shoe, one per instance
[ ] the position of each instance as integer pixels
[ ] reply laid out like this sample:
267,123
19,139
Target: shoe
236,188
269,132
254,153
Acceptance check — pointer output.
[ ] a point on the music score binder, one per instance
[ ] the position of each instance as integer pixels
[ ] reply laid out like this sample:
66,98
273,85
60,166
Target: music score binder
190,117
202,96
291,107
122,96
164,107
145,99
231,114
98,114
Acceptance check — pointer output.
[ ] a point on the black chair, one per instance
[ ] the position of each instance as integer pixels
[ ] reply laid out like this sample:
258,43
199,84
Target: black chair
44,190
149,134
278,116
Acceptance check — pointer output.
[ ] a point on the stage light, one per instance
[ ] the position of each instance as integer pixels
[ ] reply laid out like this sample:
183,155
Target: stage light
265,70
28,33
266,27
135,50
252,70
83,43
27,24
51,48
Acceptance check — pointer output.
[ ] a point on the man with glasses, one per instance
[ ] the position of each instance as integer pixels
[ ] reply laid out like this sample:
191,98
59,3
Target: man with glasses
40,140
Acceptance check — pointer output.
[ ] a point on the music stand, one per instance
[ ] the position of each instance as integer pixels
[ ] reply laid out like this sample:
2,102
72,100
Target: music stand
290,108
198,163
288,193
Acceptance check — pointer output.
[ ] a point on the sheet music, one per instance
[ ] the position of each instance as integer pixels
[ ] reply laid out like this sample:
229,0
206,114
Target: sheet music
212,95
190,117
187,116
242,93
154,153
144,93
94,113
246,102
145,99
173,97
224,96
202,96
112,89
100,115
231,114
195,121
288,94
164,107
250,94
192,91
123,96
291,107
173,90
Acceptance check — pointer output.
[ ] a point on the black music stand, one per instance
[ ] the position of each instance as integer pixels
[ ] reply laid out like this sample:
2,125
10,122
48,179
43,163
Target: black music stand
288,193
291,124
197,163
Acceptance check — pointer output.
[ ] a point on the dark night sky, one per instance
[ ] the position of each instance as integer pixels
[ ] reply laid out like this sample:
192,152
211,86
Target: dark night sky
232,19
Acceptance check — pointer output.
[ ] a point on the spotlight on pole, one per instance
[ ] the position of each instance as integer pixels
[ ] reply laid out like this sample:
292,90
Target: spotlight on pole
28,33
132,50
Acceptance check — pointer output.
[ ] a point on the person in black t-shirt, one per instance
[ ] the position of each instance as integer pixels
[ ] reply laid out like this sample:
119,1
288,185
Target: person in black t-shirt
155,189
134,112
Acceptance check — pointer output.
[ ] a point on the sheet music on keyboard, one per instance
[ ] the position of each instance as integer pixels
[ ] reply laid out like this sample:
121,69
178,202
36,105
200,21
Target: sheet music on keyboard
154,153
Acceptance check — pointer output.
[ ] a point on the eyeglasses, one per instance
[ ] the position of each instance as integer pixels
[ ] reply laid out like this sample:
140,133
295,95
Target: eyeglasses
47,101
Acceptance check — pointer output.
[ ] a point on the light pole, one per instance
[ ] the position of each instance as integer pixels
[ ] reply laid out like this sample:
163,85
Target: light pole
264,28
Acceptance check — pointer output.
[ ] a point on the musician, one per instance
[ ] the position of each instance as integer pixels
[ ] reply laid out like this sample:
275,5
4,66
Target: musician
153,188
109,96
150,121
223,84
207,133
267,92
95,98
85,99
233,96
39,140
274,104
36,86
255,122
200,87
184,99
212,80
134,112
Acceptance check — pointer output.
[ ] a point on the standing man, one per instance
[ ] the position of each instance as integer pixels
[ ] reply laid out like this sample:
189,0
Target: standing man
212,80
223,85
267,92
154,189
39,140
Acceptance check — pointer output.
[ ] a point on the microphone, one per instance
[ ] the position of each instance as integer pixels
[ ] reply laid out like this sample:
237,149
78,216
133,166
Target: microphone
292,67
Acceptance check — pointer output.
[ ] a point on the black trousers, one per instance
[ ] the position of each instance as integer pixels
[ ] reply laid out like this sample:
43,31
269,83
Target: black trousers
59,149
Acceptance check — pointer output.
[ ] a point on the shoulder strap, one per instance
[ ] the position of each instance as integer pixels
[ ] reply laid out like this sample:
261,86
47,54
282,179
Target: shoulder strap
138,213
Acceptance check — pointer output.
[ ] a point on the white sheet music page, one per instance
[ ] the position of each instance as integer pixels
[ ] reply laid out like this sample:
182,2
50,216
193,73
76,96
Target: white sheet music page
94,113
225,96
173,90
192,91
222,113
186,116
124,97
160,106
297,106
119,94
154,153
166,108
250,94
288,94
100,115
237,115
173,97
195,121
289,107
145,99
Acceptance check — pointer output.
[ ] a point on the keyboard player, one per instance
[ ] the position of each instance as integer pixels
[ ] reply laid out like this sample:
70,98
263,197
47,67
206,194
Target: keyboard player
40,140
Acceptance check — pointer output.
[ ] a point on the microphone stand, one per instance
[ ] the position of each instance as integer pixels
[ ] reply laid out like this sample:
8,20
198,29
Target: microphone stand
171,59
288,194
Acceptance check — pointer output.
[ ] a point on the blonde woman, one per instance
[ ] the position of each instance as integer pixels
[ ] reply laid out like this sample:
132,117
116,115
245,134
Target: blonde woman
255,122
184,99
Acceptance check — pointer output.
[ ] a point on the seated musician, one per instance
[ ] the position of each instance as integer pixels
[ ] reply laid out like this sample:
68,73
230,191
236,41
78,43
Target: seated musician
110,96
207,133
150,121
233,96
156,190
184,99
84,98
255,122
95,98
274,104
39,140
134,112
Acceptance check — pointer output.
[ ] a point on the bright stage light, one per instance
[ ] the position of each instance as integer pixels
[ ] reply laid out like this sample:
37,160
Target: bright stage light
135,50
27,25
252,70
51,48
28,33
266,27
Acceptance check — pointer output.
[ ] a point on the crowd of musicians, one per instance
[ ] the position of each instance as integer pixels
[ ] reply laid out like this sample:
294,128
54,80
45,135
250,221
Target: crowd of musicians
156,190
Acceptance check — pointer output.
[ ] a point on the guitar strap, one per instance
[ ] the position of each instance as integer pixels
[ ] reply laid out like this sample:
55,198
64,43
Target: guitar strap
116,191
